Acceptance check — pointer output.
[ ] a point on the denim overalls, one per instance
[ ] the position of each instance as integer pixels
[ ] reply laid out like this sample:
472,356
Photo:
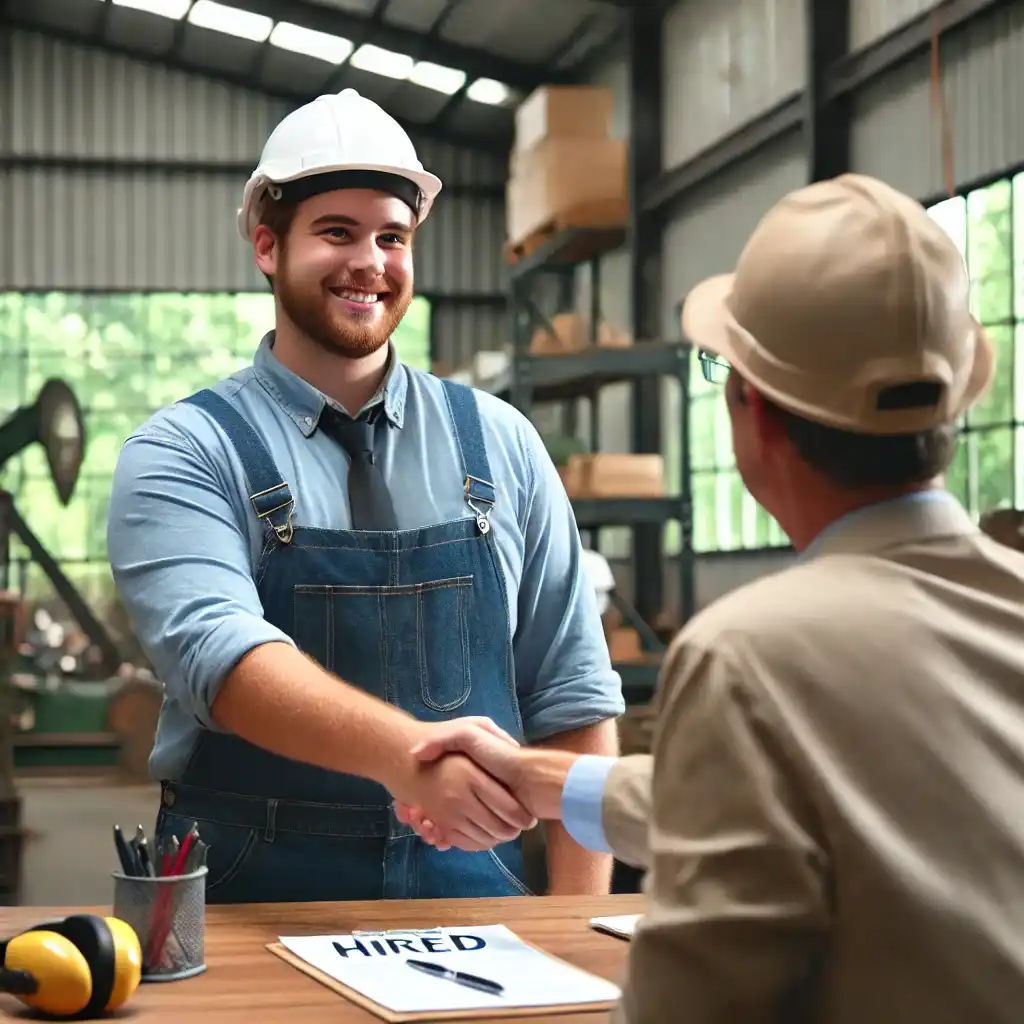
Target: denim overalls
418,618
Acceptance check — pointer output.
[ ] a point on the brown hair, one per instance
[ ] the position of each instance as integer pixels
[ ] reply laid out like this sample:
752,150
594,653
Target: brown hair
855,461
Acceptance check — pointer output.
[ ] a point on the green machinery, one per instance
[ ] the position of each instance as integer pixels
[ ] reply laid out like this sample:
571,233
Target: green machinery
68,720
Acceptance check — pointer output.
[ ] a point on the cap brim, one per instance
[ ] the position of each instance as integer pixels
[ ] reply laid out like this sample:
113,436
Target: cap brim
983,371
706,316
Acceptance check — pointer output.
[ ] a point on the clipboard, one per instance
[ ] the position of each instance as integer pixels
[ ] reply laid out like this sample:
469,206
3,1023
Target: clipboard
393,1017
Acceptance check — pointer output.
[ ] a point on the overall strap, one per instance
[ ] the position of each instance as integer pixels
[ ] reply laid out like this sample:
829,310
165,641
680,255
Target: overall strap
469,435
271,498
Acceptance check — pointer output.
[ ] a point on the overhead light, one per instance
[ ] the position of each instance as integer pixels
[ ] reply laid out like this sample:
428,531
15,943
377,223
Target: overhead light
230,20
487,90
438,77
175,9
382,62
321,45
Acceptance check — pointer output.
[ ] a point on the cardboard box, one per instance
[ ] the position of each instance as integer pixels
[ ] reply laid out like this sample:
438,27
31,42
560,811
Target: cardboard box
563,111
614,475
624,645
561,175
572,335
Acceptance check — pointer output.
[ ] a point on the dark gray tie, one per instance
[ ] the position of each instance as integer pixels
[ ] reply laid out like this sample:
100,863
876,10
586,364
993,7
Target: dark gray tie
369,500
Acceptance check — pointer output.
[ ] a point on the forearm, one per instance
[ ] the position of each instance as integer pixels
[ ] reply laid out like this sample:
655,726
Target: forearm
282,701
572,869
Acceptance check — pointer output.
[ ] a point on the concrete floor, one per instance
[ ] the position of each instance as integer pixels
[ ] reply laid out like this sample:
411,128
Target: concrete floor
69,850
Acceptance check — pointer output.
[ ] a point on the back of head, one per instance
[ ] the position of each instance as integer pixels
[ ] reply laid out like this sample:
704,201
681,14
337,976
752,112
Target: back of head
849,310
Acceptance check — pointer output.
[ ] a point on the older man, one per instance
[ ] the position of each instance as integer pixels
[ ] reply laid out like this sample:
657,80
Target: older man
832,818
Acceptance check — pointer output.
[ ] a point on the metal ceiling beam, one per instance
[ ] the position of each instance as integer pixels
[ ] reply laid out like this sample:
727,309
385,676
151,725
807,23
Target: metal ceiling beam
846,76
475,63
498,147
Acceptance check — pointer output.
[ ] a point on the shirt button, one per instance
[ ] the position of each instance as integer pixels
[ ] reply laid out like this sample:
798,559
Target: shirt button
309,421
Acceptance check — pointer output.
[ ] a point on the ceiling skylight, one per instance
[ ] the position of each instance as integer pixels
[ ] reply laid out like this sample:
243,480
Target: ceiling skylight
321,45
487,90
382,62
230,20
438,77
175,9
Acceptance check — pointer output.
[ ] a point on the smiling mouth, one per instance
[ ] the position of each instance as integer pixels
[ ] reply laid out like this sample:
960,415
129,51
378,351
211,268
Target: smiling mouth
360,298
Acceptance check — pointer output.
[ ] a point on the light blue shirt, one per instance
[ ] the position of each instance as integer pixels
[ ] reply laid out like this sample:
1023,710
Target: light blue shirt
184,542
583,793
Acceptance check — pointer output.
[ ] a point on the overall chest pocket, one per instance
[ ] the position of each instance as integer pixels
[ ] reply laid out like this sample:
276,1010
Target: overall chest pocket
409,645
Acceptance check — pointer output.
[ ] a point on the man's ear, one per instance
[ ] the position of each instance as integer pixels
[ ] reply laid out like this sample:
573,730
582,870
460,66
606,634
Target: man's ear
265,249
766,416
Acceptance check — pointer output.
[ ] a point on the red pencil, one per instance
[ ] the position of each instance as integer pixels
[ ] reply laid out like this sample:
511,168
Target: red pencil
163,916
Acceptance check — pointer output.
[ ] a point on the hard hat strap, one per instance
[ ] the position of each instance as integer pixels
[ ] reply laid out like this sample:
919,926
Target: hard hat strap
381,181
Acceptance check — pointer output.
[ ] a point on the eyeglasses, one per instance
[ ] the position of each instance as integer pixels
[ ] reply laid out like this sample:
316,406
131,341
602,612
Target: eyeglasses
715,370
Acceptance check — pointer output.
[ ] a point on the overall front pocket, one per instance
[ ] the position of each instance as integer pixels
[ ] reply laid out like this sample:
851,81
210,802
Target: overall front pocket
409,645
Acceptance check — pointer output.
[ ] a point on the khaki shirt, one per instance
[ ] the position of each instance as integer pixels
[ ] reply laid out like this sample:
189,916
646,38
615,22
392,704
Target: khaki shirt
834,830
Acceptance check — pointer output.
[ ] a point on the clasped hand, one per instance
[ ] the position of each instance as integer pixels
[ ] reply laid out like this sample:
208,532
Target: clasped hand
462,792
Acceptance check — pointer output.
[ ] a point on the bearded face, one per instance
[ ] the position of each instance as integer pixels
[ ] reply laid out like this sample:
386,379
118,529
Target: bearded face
343,274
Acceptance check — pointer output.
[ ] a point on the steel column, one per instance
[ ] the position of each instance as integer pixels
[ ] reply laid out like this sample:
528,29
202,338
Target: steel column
827,120
644,239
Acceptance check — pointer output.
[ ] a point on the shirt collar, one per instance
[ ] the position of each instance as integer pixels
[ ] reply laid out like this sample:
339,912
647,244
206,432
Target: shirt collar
911,517
303,403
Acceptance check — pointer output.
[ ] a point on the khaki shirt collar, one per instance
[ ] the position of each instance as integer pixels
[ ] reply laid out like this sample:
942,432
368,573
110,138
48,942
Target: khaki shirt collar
917,517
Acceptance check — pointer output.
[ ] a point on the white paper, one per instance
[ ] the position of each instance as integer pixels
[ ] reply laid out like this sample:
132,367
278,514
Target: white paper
621,925
374,965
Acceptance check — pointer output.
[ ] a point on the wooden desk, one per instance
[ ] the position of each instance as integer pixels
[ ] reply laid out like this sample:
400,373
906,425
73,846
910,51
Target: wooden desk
246,982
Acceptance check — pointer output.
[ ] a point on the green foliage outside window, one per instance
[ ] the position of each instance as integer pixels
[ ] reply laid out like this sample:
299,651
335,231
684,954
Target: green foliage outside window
988,472
124,356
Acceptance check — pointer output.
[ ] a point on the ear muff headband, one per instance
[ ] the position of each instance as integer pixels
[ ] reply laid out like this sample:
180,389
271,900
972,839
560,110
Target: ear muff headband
91,935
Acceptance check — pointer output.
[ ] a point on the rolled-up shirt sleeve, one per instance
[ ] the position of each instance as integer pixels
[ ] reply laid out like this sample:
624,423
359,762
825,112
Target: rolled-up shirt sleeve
182,565
564,673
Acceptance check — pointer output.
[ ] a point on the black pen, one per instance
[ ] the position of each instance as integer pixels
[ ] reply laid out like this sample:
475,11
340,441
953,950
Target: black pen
459,977
124,855
145,861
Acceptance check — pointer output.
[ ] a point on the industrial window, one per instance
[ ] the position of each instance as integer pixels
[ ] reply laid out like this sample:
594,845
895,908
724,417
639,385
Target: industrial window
988,472
124,356
988,228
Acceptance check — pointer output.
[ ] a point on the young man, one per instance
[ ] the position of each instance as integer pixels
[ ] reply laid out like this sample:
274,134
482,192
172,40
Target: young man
831,821
329,553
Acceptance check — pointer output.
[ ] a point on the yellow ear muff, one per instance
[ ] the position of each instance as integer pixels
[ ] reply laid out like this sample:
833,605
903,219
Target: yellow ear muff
80,966
61,975
127,962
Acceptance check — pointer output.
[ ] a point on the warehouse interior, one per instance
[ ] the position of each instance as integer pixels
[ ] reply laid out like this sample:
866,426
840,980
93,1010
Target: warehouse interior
599,157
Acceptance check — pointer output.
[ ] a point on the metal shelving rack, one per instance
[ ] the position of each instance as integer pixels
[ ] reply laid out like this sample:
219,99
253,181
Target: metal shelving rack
532,379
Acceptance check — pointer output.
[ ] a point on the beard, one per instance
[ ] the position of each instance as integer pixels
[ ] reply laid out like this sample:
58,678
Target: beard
315,314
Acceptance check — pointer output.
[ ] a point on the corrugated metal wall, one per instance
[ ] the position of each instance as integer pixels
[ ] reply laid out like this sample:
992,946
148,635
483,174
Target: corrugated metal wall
135,224
897,135
711,228
726,61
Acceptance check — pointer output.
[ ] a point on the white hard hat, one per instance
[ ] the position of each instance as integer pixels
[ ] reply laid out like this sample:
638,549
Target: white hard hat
343,132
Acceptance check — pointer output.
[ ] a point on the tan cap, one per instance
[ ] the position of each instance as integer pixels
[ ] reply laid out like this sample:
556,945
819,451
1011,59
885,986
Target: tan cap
845,290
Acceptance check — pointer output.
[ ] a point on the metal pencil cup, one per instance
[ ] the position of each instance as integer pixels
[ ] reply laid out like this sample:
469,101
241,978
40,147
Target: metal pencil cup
169,917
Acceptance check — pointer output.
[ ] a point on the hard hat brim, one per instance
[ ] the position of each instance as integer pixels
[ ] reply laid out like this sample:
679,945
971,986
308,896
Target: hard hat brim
429,184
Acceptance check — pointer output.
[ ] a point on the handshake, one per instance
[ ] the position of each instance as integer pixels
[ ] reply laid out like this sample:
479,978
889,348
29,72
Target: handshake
472,786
